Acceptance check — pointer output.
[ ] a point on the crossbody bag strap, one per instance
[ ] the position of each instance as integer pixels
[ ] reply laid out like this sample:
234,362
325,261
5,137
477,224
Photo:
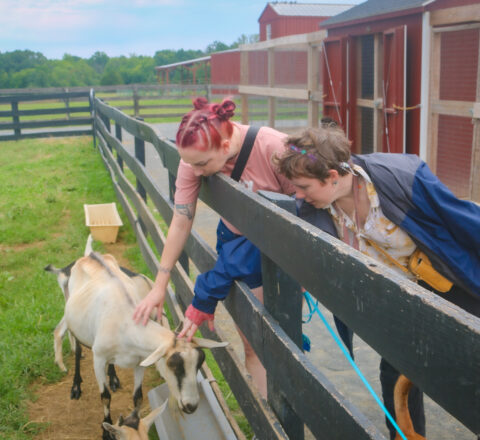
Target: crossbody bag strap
244,153
387,255
370,242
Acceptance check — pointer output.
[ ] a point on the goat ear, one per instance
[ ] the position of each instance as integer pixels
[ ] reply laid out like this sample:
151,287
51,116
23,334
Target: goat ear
116,432
156,355
148,420
209,343
179,326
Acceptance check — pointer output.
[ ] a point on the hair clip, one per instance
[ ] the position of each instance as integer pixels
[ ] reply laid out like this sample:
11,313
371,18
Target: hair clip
303,151
346,166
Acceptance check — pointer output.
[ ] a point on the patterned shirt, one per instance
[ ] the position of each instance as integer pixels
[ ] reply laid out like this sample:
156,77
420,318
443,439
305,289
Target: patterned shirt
378,228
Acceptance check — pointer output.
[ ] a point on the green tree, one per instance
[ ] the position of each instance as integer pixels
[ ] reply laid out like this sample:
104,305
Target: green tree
216,46
98,61
20,59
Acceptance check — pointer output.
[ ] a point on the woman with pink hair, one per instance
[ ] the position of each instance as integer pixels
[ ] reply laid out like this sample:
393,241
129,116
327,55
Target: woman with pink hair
209,142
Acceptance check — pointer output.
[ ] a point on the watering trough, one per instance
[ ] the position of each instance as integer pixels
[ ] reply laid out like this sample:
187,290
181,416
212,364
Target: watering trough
208,422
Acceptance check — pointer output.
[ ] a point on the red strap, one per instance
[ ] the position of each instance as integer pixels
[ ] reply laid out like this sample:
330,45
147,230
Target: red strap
197,316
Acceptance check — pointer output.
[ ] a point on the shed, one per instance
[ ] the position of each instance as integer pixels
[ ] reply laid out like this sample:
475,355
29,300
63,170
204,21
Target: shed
404,77
280,19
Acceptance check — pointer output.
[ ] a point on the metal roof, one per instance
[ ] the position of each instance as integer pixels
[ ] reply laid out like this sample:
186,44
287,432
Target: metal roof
372,8
183,63
193,60
308,9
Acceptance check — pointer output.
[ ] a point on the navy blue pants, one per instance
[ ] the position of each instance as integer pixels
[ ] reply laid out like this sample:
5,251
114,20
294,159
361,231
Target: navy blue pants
238,259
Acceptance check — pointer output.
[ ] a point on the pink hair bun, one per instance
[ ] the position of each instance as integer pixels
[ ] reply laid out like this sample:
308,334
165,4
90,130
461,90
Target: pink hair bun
200,103
225,110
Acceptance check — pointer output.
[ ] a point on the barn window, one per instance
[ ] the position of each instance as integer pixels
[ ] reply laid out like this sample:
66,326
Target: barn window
367,66
268,29
368,76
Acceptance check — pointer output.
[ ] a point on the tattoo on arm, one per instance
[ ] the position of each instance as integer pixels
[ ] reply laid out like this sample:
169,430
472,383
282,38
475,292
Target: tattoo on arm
187,210
163,269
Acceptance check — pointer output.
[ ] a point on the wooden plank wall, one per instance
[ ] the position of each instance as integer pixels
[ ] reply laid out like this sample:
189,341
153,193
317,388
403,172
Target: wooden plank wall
430,340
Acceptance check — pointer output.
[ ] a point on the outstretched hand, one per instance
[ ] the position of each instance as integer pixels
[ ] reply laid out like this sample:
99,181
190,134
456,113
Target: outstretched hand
193,319
189,329
144,309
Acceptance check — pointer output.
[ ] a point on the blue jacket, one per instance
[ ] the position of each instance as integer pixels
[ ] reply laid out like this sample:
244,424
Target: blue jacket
446,228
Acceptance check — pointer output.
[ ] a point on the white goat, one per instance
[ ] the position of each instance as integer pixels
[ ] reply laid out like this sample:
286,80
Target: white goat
98,312
143,285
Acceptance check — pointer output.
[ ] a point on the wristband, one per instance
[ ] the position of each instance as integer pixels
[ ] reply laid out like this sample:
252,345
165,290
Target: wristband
197,316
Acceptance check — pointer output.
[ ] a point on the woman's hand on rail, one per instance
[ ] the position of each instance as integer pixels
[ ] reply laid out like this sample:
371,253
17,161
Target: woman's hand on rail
193,319
142,312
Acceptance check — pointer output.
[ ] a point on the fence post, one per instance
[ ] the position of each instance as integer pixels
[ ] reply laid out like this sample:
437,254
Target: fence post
16,120
91,99
171,192
282,298
140,156
272,101
136,110
67,103
244,80
118,135
209,92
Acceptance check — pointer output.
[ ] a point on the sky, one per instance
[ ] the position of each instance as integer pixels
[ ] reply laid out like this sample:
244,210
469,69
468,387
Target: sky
126,27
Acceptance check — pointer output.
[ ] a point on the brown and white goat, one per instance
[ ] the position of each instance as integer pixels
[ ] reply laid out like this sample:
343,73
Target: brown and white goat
98,312
133,427
143,284
402,413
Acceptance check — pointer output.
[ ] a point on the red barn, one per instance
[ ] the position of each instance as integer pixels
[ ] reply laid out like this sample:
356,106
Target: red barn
405,77
280,19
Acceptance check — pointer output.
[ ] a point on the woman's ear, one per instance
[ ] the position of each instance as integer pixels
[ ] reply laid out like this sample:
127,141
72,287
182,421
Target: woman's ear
333,174
225,145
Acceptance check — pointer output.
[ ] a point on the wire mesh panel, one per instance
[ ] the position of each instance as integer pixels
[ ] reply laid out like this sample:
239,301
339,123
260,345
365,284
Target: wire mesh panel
281,82
458,83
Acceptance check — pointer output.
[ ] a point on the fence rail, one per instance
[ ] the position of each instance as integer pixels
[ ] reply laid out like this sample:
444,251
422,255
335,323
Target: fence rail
21,118
432,341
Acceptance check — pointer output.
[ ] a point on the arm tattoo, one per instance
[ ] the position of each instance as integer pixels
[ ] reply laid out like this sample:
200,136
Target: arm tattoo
163,269
187,210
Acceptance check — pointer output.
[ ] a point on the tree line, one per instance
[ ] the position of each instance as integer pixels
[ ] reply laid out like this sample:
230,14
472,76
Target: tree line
28,69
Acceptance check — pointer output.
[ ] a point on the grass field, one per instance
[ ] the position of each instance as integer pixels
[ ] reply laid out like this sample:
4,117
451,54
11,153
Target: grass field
44,184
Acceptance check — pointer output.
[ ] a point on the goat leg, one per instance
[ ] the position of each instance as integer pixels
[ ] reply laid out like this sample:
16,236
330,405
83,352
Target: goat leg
76,390
138,373
106,399
58,334
114,381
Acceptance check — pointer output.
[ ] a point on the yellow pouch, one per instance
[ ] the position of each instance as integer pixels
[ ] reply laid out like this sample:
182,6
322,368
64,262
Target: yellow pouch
420,265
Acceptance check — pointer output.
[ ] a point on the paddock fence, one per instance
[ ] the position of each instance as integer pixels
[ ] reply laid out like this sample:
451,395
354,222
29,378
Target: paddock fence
21,109
430,340
56,113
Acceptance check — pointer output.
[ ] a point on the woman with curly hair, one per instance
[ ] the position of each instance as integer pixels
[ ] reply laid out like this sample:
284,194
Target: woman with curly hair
393,209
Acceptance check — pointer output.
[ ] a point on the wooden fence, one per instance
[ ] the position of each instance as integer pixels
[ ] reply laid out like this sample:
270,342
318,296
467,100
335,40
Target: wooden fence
433,342
60,109
152,103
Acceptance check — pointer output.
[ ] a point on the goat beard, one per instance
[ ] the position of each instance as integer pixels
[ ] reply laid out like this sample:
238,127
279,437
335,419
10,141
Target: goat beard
174,409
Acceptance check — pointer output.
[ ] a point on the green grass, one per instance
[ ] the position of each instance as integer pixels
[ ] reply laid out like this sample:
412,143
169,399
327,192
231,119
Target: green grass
44,184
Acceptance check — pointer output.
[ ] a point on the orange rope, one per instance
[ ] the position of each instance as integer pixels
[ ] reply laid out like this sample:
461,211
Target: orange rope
404,109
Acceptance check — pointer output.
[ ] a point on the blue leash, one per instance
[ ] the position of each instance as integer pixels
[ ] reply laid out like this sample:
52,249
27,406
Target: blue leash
313,307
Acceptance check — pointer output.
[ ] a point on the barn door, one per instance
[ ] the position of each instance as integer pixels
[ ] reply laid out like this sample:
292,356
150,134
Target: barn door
394,89
335,80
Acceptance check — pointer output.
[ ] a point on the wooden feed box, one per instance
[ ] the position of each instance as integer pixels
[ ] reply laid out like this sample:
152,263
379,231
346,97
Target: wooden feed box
103,221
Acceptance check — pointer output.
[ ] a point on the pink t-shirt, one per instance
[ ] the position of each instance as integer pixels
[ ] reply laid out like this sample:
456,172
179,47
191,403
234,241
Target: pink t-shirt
259,173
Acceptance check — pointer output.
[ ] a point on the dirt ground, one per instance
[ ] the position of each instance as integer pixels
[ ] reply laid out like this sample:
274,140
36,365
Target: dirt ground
81,419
